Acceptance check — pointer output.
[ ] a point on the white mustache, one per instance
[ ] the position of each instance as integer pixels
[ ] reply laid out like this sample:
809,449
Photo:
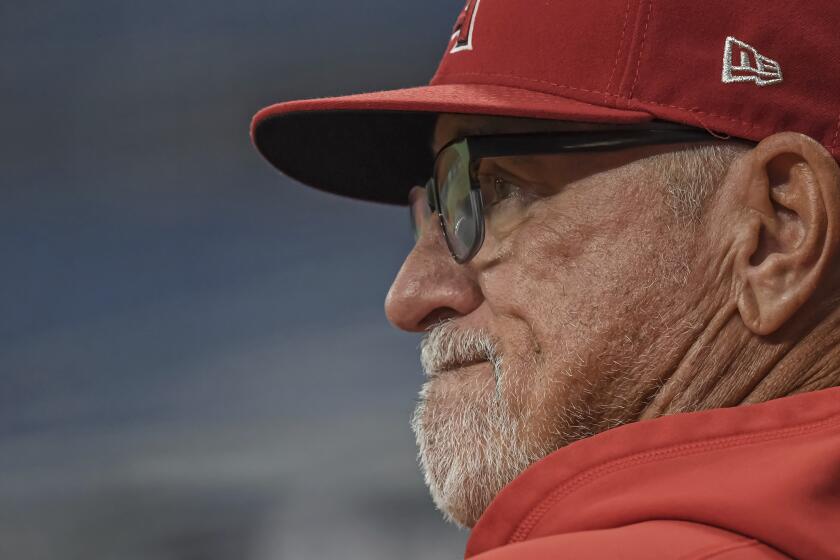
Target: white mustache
447,346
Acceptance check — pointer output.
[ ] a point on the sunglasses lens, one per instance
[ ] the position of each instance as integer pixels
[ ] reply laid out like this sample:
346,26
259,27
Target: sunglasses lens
458,207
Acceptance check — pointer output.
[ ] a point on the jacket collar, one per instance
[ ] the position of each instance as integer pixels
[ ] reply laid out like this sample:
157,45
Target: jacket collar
770,471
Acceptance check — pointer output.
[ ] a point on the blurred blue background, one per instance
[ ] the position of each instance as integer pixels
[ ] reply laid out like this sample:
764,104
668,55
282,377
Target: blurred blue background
194,360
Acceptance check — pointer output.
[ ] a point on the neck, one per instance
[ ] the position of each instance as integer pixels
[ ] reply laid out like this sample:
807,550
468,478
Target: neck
727,365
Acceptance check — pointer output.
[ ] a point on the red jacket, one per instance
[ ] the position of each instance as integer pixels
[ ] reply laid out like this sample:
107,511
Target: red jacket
746,483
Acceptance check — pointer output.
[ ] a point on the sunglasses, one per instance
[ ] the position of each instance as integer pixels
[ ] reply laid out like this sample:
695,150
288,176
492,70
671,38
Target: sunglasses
454,194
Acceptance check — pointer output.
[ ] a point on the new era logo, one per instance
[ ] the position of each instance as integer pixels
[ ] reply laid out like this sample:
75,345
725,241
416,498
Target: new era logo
742,63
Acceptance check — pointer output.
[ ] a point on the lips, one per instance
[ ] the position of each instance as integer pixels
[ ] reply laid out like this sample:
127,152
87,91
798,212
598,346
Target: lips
446,368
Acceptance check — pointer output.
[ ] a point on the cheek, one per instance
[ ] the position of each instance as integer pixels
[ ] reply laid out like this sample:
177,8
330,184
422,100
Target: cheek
572,273
562,251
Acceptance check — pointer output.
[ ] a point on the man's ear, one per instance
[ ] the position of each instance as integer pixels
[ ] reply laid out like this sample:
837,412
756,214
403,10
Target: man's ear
787,237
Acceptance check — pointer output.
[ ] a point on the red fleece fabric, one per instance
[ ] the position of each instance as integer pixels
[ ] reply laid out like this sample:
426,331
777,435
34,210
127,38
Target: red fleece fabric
750,482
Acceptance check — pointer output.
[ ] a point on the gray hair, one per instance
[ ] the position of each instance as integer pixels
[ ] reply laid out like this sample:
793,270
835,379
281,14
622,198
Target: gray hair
690,176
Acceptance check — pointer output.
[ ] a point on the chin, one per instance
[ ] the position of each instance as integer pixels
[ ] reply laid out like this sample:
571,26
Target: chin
471,442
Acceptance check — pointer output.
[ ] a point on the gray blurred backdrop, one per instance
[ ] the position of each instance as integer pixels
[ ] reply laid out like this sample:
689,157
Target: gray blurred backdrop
194,360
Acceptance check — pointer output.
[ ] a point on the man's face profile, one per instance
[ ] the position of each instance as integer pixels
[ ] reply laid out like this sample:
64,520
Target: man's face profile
592,294
626,243
548,308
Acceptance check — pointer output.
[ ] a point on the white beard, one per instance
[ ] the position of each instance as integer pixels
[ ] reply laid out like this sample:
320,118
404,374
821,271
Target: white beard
474,443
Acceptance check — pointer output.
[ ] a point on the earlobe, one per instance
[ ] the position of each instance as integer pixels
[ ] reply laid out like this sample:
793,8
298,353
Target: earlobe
787,234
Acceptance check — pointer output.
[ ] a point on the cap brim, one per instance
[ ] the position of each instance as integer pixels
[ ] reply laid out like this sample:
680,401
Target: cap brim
376,146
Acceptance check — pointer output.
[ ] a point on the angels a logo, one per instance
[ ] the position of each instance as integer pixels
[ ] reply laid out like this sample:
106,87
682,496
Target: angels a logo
463,31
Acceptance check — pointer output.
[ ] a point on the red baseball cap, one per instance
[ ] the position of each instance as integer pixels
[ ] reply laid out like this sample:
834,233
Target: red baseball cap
738,67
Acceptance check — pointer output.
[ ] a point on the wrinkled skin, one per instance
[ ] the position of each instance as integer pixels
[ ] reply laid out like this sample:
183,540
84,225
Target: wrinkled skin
606,308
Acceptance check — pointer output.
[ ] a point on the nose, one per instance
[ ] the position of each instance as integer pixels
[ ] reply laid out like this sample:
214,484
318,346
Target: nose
431,286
